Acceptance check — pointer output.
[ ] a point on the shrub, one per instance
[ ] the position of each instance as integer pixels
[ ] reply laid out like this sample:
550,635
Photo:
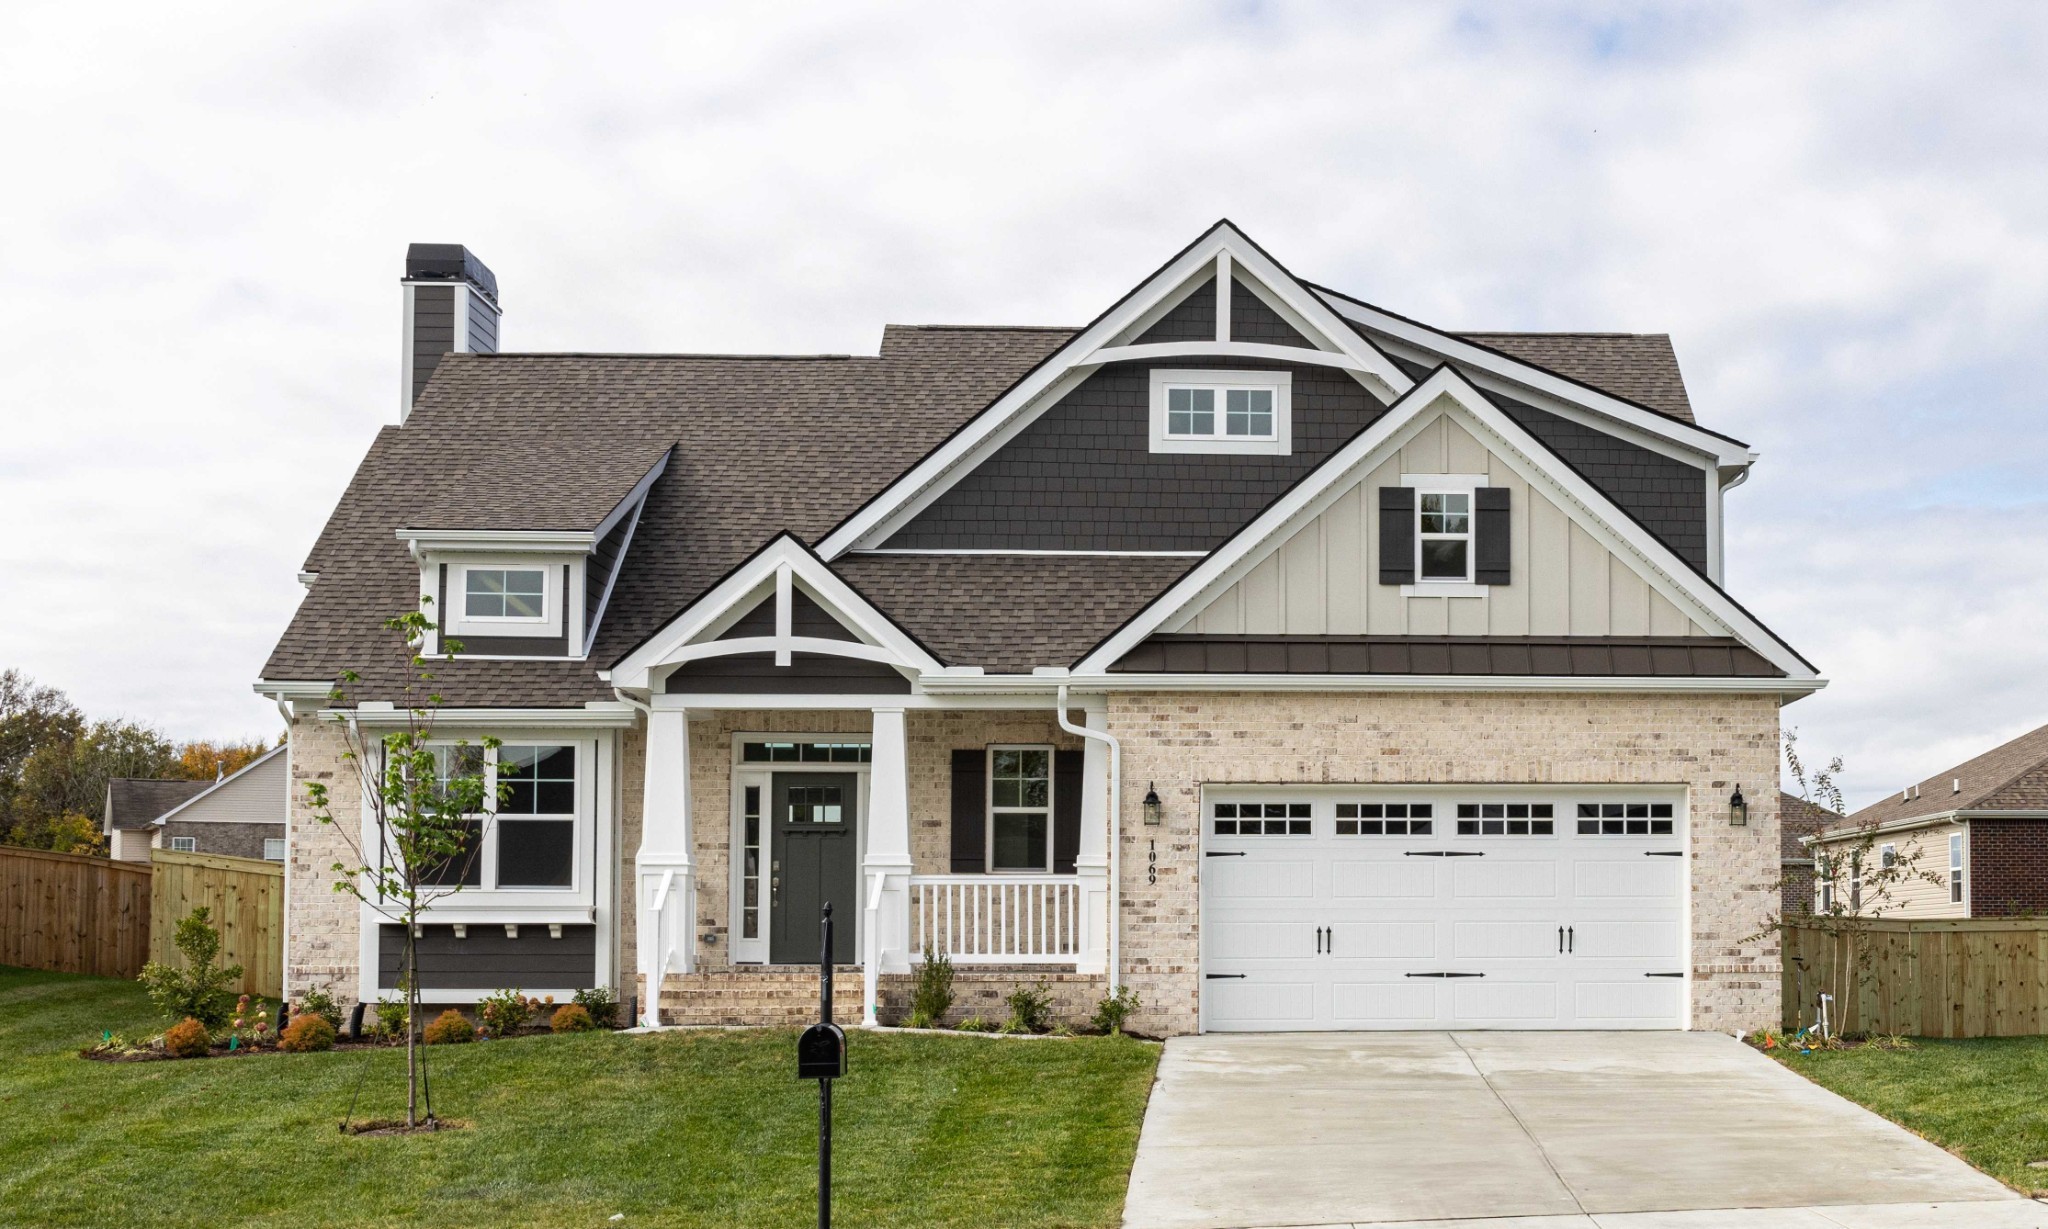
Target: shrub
201,989
391,1015
932,996
504,1012
602,1003
571,1018
307,1032
187,1039
321,1003
1030,1009
975,1024
451,1027
1113,1010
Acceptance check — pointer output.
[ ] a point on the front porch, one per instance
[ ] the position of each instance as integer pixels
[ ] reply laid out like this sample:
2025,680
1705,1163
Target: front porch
980,833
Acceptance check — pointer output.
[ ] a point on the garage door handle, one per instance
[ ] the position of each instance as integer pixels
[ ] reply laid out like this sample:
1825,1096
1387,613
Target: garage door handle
1443,975
1224,976
1663,975
1663,853
1218,853
1443,853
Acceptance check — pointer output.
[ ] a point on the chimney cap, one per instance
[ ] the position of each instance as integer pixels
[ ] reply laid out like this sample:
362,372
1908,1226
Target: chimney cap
449,262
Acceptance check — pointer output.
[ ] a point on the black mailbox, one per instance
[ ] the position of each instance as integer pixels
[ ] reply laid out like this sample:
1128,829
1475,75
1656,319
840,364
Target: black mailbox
821,1053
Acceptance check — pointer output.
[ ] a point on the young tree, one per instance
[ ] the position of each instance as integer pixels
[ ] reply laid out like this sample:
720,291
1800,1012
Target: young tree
422,823
1875,879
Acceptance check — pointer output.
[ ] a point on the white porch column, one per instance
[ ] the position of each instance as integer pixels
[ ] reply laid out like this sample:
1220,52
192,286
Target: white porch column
664,869
887,866
1091,863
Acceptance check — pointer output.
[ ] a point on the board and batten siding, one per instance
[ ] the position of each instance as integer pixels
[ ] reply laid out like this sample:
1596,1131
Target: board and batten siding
1323,580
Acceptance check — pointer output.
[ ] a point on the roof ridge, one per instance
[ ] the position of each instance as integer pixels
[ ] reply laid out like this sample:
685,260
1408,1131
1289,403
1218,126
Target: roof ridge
1551,333
665,355
991,328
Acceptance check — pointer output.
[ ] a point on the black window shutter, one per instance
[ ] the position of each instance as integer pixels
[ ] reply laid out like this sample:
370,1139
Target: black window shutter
970,811
1066,810
1491,562
1397,535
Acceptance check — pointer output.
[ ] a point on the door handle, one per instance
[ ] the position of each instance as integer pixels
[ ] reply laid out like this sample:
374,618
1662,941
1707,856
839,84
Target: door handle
1319,940
1330,939
1571,940
1560,940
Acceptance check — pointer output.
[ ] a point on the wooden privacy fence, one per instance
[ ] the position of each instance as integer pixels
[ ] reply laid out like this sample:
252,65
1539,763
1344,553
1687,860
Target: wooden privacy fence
246,896
73,914
1924,977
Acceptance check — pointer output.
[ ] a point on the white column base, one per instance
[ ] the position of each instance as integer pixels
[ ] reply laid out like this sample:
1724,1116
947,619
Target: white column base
1095,920
667,901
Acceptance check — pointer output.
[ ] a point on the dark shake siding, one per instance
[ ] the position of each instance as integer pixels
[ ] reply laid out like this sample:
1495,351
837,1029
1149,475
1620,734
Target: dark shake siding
1252,320
1193,319
487,959
1083,477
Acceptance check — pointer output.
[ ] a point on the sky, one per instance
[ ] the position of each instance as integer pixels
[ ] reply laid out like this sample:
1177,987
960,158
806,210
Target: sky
1838,211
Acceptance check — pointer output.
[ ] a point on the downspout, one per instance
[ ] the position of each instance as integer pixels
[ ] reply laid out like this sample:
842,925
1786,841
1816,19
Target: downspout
1116,780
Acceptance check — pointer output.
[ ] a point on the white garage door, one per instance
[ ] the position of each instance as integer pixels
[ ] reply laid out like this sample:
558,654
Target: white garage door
1420,909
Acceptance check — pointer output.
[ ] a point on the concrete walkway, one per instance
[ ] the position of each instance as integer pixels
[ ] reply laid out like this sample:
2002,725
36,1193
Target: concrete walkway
1530,1131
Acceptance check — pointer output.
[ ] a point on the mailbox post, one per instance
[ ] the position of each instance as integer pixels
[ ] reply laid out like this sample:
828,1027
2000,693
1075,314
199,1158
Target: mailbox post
821,1056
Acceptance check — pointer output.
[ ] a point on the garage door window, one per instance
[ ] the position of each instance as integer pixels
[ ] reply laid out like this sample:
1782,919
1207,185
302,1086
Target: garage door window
1624,819
1385,818
1505,819
1261,819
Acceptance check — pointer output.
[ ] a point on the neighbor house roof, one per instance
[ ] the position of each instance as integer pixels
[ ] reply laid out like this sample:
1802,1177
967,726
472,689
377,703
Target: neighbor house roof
136,802
2010,777
1799,818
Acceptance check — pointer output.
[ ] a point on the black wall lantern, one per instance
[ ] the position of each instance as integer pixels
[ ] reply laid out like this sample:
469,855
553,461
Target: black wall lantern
1738,810
1155,811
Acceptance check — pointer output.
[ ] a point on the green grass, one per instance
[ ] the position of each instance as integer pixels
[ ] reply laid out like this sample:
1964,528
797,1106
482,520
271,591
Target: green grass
1986,1100
682,1129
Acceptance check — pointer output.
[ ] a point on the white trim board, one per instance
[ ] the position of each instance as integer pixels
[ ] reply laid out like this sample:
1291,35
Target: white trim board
1664,570
1222,246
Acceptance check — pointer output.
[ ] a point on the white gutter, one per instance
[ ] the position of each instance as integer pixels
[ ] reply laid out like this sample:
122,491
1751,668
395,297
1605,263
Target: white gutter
1116,777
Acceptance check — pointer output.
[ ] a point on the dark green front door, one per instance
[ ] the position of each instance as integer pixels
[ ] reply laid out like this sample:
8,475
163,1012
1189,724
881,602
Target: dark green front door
814,860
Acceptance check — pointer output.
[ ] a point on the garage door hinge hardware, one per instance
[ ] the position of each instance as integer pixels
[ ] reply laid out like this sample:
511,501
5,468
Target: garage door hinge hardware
1443,974
1223,853
1444,853
1224,976
1663,975
1663,853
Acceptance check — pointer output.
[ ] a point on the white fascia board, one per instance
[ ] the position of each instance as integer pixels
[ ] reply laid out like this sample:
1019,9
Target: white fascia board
265,758
595,715
1014,694
1961,815
1726,452
292,689
1099,682
630,505
541,541
805,568
1032,395
1667,573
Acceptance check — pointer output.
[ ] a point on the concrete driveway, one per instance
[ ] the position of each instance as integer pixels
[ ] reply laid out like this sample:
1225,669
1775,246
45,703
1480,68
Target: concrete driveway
1530,1131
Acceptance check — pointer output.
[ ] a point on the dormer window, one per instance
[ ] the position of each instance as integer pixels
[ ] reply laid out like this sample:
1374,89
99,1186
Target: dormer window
505,593
1246,412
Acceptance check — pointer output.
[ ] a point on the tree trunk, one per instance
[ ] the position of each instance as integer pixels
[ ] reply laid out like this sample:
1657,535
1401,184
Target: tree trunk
412,1014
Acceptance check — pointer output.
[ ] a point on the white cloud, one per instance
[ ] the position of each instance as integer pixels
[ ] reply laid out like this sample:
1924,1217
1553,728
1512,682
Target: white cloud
1838,211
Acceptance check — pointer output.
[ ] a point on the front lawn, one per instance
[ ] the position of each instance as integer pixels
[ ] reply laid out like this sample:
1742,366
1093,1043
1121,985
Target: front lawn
683,1129
1986,1099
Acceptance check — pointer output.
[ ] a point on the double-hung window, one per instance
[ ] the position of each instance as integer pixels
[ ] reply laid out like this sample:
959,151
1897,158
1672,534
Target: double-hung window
1221,411
463,867
1443,536
1824,884
1955,869
536,817
1020,808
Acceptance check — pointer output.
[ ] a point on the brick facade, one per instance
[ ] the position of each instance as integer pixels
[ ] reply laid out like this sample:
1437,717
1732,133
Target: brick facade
1708,743
2008,867
231,840
321,925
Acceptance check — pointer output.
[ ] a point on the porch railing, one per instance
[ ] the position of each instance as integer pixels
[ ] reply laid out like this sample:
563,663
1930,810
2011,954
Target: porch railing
997,919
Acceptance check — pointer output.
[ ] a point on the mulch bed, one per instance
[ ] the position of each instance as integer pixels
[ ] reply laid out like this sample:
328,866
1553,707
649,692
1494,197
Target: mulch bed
393,1126
270,1047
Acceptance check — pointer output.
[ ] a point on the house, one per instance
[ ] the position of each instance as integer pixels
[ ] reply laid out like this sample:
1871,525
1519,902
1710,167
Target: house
1294,663
1977,835
1797,820
241,815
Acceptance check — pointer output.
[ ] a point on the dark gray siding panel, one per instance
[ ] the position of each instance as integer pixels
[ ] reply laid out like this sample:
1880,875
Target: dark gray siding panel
807,674
433,331
1562,656
1669,497
1193,319
1083,476
604,557
488,960
230,840
483,327
1252,320
806,618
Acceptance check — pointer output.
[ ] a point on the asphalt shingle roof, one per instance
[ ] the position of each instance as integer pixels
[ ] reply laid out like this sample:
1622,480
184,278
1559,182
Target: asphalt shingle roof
2012,776
1638,367
135,802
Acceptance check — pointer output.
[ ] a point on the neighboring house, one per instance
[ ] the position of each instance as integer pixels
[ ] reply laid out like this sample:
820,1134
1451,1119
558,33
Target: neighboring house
1292,662
241,815
1797,820
1979,830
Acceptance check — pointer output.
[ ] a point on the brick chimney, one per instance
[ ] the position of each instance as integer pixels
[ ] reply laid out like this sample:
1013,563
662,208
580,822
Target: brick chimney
451,305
